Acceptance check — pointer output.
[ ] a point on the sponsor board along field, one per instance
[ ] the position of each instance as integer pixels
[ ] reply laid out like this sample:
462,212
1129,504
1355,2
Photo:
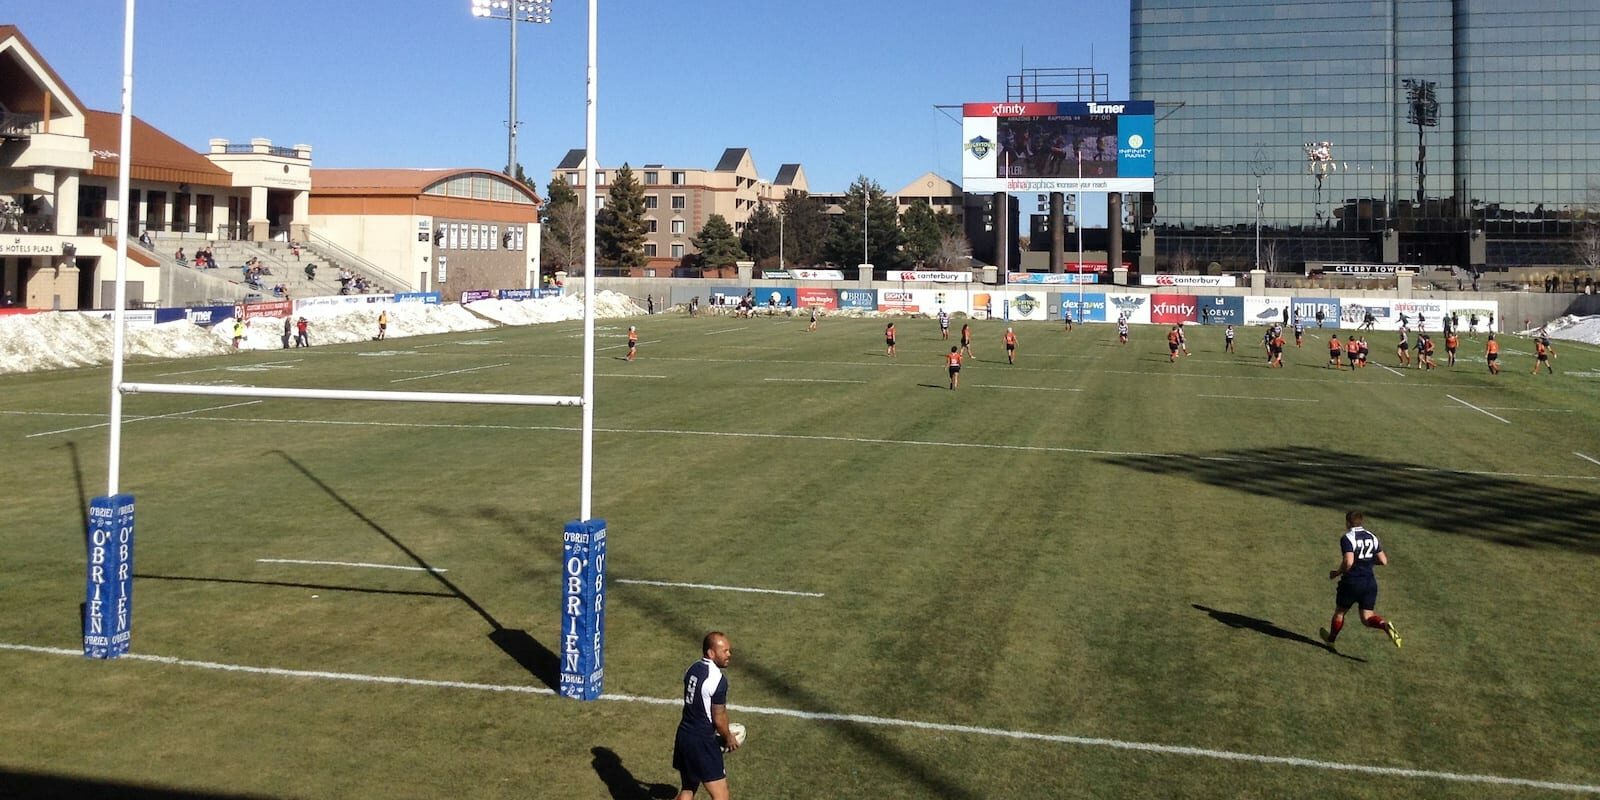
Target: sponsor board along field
1094,573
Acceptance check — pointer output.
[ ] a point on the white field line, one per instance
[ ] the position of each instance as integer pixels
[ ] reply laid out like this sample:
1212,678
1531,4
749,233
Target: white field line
725,330
142,419
859,719
1511,408
1585,458
624,375
1475,408
1025,388
808,380
451,372
1273,399
716,588
625,344
347,564
850,440
1391,369
229,366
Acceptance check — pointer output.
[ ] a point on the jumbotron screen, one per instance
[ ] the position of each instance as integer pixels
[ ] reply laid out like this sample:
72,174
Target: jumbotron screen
1059,147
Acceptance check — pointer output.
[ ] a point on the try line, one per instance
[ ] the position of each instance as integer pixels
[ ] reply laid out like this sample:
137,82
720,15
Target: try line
860,719
714,587
347,564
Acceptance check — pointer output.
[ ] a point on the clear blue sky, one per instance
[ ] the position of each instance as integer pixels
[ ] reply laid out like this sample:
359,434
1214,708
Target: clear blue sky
844,88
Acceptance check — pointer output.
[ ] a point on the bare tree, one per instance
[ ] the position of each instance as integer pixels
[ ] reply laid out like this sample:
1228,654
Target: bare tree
1269,257
953,249
1182,262
1586,246
563,244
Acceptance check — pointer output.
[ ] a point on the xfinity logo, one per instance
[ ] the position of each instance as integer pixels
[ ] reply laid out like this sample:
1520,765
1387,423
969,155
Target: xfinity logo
1181,309
1017,108
1102,108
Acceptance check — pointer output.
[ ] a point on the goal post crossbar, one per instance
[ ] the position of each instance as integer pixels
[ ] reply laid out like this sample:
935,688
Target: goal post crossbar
352,394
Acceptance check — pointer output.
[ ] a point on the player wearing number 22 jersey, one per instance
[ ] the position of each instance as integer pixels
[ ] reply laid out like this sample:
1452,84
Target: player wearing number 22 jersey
1359,553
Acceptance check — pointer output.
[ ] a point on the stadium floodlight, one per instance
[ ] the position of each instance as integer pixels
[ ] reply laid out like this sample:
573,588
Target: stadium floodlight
514,11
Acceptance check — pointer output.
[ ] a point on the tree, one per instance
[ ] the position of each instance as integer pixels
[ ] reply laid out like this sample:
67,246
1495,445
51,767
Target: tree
805,228
561,242
717,245
882,228
620,227
954,250
760,236
521,177
922,232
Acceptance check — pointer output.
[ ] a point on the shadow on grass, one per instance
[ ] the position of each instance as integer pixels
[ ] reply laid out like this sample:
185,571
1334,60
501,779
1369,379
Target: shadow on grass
621,783
1496,508
1259,625
16,785
318,586
538,660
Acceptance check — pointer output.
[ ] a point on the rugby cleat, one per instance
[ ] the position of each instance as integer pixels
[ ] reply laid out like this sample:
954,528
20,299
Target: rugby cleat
1326,637
1394,633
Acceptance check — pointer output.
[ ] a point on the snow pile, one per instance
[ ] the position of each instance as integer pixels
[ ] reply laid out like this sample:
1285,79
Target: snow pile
56,340
1575,329
59,340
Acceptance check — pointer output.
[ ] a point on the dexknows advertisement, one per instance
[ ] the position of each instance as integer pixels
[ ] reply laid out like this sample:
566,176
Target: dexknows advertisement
1090,308
1169,309
819,298
861,299
1135,308
1307,308
1220,309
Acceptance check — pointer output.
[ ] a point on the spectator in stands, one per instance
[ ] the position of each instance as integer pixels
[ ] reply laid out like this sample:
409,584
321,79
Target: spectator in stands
10,300
294,248
311,272
182,259
144,239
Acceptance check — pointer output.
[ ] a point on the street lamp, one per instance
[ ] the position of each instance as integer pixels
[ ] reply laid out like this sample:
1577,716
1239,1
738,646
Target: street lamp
514,11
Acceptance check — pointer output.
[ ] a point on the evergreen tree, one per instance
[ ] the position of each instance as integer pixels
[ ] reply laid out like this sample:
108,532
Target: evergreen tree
561,242
717,245
883,236
760,236
805,228
620,227
922,232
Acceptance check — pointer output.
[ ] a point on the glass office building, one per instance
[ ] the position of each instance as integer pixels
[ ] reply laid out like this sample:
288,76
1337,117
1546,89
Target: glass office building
1321,103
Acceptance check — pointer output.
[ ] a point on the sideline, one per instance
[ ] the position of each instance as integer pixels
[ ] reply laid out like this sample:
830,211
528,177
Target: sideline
861,719
717,588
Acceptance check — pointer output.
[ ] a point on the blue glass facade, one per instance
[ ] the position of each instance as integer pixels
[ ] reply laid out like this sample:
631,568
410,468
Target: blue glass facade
1312,95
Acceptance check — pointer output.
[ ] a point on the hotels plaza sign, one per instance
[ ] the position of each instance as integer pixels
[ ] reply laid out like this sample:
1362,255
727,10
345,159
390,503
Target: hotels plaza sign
31,246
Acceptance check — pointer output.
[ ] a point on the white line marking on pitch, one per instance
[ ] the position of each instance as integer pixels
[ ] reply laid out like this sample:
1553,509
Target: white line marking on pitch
808,380
620,346
1584,457
857,719
714,587
451,372
347,564
624,375
1273,399
142,419
1391,369
1025,388
725,330
214,369
1475,408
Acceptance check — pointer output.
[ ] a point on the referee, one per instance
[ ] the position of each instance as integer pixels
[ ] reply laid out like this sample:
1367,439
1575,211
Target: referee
696,753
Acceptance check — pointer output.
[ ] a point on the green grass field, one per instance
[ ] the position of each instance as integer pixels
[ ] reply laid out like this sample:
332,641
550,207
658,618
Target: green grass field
1024,583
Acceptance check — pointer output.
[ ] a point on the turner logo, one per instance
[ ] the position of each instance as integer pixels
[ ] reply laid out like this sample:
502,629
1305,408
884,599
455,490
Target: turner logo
1106,108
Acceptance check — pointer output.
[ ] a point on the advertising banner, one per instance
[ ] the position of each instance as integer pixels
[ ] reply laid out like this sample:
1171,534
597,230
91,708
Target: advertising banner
1265,310
769,298
1032,306
859,299
1091,307
776,274
1170,309
898,300
132,317
517,294
1218,309
271,308
206,316
908,275
1135,308
726,295
325,300
583,609
1427,315
1052,278
1188,280
474,295
815,274
431,298
1360,270
108,584
1480,315
1307,309
1059,147
1353,312
807,297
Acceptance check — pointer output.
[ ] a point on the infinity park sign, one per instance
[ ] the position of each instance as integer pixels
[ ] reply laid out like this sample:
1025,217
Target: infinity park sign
1059,147
108,585
583,609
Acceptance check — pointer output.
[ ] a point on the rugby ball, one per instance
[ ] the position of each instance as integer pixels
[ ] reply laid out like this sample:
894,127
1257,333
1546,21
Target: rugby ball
737,729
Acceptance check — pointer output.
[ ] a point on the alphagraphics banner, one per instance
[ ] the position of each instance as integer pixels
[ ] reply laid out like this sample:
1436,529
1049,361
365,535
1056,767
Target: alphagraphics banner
858,299
517,294
1091,307
1220,309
